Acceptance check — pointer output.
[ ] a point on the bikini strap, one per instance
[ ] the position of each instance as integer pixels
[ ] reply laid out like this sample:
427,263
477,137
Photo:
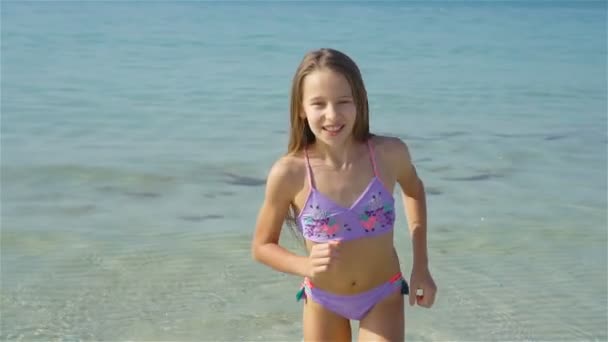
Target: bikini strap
372,157
308,169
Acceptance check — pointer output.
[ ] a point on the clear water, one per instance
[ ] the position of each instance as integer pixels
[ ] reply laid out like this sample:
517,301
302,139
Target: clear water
136,136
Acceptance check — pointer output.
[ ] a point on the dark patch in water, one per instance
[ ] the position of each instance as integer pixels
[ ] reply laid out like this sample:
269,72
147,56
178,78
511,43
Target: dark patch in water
411,137
424,160
442,135
218,194
440,168
546,137
199,218
555,137
479,177
404,137
513,135
81,210
433,191
107,188
243,180
452,134
142,194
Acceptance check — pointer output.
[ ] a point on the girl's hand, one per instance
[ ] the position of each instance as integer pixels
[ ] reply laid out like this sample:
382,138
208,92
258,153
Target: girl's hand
322,257
421,280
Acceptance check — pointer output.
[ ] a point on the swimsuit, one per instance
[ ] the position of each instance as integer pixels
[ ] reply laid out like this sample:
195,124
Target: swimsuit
323,220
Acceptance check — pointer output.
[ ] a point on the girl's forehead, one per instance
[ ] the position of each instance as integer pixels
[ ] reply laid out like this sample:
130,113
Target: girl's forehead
325,82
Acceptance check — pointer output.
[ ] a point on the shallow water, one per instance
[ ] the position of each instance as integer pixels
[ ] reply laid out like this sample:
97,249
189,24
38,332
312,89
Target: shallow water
136,139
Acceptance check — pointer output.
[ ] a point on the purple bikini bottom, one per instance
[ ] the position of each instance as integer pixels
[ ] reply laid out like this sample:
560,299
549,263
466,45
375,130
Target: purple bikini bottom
356,306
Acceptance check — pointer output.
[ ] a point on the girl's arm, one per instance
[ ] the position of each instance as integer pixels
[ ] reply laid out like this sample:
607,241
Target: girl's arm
415,208
281,188
414,200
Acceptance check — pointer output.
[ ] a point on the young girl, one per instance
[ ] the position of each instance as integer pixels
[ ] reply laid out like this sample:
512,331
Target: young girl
336,182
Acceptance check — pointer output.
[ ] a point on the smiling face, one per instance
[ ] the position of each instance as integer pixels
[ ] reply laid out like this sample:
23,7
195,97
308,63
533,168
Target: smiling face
328,101
328,106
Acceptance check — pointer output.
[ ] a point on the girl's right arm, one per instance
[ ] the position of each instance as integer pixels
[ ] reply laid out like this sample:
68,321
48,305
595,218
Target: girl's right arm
281,187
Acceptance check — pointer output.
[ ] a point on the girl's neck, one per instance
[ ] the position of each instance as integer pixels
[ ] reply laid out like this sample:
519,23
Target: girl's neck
337,157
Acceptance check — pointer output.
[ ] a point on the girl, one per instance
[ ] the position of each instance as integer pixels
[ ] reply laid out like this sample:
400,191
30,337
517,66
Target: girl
335,185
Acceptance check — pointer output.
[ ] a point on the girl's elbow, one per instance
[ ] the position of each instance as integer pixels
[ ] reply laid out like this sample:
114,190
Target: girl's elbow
420,185
255,252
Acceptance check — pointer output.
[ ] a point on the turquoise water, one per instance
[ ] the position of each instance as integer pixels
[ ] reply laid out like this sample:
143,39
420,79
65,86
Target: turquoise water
136,136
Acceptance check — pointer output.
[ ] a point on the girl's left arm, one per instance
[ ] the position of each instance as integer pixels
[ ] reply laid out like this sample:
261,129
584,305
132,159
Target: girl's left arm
414,200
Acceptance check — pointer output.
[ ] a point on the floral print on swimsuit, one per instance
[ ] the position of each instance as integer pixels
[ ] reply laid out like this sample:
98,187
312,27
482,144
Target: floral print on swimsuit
318,223
377,214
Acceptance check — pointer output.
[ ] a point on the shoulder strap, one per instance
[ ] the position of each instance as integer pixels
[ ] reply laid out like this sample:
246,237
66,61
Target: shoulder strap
308,169
372,157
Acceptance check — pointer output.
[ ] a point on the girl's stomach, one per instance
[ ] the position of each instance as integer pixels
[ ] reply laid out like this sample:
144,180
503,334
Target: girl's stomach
362,265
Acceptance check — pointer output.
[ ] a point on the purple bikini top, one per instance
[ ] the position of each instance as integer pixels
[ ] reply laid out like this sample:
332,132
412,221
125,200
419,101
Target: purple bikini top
373,213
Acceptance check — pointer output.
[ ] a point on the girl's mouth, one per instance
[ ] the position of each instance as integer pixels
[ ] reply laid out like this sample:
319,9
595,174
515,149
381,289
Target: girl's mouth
333,129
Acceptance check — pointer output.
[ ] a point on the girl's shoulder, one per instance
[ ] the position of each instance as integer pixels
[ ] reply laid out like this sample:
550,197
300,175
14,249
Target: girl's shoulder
390,149
393,155
287,172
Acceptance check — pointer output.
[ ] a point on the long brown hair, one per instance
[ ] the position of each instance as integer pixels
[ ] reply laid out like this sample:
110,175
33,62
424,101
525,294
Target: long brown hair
300,134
